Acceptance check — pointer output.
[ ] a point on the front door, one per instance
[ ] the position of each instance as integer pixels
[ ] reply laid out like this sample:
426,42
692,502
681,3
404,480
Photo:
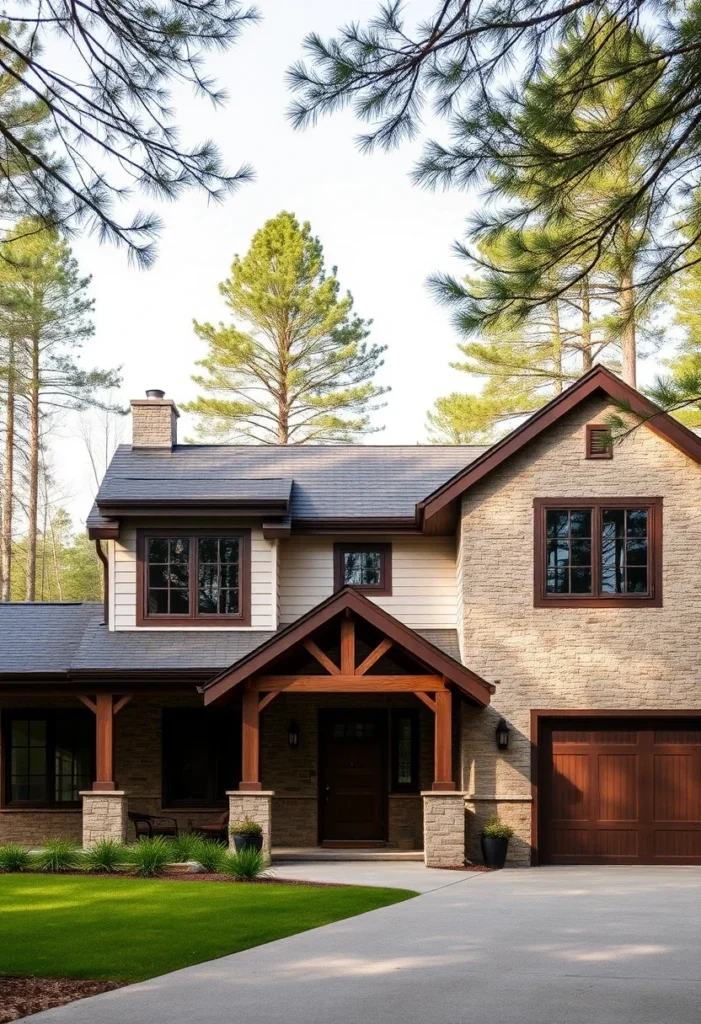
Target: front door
353,767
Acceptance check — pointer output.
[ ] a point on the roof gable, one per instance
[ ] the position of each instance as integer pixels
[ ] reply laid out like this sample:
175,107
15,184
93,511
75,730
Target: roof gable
598,380
436,660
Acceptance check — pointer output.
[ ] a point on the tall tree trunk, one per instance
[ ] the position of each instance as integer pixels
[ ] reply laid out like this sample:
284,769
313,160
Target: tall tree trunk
8,482
33,473
628,345
587,360
557,347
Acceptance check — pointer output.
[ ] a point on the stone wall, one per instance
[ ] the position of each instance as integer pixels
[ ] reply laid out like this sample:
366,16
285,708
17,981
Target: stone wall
577,658
444,830
104,817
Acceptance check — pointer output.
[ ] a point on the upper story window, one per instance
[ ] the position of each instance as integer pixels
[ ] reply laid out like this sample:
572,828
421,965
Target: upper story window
598,552
191,578
367,567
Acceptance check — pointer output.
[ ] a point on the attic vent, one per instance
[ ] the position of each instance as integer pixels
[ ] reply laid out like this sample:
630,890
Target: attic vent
599,442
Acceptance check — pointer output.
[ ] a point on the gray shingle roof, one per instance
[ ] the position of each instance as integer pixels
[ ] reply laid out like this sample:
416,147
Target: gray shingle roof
164,486
60,638
340,481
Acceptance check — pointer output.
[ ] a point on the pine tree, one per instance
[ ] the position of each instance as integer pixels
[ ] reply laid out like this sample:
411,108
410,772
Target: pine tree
293,367
45,309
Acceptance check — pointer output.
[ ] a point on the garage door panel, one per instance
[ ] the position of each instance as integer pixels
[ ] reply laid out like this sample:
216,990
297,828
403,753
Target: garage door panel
570,787
618,787
625,791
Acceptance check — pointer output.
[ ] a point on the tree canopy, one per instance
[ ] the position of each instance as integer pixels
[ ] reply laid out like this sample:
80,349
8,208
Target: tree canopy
294,366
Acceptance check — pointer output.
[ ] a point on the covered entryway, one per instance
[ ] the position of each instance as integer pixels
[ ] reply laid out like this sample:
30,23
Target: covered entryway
367,675
620,791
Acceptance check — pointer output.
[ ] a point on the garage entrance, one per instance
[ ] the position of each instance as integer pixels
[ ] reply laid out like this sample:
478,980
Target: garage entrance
620,791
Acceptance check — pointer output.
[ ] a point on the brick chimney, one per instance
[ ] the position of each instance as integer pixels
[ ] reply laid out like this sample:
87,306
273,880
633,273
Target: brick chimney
154,421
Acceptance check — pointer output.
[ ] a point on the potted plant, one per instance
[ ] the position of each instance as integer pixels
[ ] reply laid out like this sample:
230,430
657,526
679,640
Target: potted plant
495,842
247,834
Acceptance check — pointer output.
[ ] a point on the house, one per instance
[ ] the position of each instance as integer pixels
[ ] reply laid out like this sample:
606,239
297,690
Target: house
380,645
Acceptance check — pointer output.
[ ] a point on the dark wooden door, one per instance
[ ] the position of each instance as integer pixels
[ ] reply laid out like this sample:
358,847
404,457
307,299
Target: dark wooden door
621,792
353,775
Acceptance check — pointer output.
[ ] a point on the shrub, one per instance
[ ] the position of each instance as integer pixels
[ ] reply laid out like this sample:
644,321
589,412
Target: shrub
58,855
150,856
104,857
209,854
14,857
183,847
246,828
245,864
496,829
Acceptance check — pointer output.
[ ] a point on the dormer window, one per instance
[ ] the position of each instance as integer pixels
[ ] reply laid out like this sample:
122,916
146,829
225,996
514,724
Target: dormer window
366,567
193,578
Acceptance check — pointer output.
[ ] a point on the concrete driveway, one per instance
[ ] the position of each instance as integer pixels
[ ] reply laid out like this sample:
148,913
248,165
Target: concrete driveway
545,946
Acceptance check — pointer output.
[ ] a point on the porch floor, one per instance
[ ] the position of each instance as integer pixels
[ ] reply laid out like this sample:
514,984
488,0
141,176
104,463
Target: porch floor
298,854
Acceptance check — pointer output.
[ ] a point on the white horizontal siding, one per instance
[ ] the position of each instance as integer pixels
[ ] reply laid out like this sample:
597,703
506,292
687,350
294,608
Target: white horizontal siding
123,583
424,586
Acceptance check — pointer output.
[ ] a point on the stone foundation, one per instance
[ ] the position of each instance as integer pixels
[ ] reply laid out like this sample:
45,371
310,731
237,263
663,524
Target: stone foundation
444,829
254,805
104,816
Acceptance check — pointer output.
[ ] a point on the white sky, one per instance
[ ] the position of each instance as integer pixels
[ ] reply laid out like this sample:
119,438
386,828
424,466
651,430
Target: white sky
385,235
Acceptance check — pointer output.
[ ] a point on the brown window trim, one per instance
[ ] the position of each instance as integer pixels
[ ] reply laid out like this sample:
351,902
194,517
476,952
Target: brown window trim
652,600
396,786
608,451
384,587
144,618
6,803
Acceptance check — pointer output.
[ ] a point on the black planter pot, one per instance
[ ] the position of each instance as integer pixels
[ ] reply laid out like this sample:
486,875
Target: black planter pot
494,851
247,842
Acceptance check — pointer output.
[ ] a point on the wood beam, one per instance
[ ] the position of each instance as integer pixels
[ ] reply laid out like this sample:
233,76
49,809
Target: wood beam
443,743
347,646
431,704
267,699
322,658
121,703
90,704
104,748
373,656
250,741
349,684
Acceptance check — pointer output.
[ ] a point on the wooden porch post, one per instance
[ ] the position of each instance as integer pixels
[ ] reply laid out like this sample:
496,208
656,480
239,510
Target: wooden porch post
104,721
443,745
250,742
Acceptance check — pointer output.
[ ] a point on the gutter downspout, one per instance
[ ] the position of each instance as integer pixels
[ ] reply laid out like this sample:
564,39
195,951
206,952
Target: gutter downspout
105,581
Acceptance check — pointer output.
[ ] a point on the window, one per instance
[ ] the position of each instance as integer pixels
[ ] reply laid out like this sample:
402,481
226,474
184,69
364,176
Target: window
602,552
189,578
367,567
599,444
201,756
49,757
405,752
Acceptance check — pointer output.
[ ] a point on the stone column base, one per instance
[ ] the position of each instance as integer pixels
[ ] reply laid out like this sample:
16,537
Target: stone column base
444,829
104,816
256,805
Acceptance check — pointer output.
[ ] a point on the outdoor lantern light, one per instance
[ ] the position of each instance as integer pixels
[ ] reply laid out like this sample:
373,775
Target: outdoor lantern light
293,734
502,734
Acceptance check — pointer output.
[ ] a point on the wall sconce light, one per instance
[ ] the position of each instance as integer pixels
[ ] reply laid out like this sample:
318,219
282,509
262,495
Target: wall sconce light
293,734
502,735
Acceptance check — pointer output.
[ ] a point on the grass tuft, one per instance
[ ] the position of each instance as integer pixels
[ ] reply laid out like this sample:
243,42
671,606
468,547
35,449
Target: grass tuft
150,857
104,857
14,857
246,864
58,855
209,854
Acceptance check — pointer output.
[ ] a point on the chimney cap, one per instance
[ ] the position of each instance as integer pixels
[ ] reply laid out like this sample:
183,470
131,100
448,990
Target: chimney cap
155,393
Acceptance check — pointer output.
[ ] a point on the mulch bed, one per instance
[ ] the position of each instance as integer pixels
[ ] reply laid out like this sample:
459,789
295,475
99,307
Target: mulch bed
203,876
19,996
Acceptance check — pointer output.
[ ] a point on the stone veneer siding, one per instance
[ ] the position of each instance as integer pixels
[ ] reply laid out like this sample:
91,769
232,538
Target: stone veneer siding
586,658
104,817
256,807
444,830
153,423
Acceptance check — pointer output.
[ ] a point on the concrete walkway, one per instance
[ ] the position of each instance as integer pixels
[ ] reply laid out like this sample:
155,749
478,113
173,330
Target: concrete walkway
546,946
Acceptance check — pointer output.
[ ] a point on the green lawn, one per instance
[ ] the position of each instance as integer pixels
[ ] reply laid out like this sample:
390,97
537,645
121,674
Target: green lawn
129,929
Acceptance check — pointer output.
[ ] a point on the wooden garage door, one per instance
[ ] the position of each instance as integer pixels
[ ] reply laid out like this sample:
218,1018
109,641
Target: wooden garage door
621,792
